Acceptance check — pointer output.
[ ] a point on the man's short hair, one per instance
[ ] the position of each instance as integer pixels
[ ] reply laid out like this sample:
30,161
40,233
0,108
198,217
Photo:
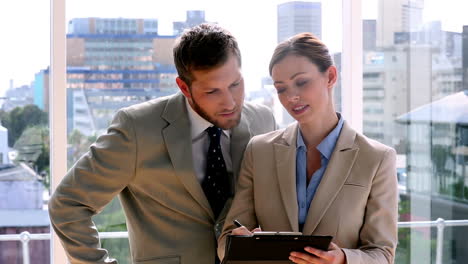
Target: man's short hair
203,47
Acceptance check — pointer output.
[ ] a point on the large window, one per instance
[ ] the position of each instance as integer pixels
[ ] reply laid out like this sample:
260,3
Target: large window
121,56
24,126
414,95
415,100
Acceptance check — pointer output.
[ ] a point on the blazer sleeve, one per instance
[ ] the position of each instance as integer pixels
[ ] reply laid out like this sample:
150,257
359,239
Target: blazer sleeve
243,204
102,173
378,235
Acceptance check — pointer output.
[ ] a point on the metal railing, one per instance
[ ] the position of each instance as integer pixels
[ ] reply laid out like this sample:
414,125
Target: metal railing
440,223
25,237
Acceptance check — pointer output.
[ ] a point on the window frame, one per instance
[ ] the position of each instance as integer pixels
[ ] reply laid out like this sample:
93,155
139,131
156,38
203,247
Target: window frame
57,110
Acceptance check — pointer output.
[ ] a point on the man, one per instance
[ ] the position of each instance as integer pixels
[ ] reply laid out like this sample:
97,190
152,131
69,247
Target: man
173,178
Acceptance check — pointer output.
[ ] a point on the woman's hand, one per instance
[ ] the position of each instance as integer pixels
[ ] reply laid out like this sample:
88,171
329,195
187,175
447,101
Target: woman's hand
243,231
333,256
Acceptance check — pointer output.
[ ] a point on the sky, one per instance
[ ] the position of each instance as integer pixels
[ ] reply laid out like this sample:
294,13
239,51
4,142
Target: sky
25,27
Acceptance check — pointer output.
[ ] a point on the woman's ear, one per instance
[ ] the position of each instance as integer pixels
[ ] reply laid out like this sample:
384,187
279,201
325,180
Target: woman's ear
332,76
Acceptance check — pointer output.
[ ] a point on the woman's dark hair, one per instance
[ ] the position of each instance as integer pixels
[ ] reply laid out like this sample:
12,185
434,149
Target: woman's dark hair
303,44
202,47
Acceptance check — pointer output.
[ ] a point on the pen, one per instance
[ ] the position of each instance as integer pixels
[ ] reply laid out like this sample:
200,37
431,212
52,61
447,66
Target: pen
237,223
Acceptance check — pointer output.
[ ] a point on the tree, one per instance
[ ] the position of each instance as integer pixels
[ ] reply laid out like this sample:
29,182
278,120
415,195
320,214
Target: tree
78,144
3,116
33,148
20,118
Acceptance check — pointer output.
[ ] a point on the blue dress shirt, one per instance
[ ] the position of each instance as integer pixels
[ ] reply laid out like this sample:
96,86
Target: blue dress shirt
305,193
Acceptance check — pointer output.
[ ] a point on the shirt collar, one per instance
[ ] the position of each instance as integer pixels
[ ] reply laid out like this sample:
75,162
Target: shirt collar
327,145
198,124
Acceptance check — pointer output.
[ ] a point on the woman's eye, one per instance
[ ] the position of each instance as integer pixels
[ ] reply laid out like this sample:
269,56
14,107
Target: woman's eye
280,90
301,83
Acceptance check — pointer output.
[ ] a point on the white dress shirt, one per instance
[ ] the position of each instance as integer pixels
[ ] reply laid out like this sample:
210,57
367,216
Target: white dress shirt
201,142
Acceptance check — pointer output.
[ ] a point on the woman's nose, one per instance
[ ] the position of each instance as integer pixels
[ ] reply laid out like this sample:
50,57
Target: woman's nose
293,96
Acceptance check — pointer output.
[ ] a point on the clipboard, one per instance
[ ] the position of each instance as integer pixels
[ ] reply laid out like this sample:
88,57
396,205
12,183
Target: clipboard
269,248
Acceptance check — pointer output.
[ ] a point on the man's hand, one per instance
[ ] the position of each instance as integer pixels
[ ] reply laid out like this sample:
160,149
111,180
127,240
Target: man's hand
334,256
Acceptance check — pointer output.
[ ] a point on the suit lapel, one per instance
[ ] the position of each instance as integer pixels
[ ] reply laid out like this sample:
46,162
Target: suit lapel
178,142
337,172
240,136
285,156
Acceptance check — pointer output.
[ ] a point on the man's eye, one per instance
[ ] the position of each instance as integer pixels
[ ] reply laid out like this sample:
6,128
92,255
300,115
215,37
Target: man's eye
211,92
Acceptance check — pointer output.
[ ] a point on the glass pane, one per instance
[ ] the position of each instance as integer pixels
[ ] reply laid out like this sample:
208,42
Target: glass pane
122,55
415,96
24,127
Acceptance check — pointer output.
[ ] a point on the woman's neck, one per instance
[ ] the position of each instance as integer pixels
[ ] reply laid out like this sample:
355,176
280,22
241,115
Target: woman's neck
314,131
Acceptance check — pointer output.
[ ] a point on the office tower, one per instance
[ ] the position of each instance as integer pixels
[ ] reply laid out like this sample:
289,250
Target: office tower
112,26
412,64
338,86
194,17
297,16
369,34
397,16
40,87
465,57
17,97
21,209
265,95
3,145
392,86
114,63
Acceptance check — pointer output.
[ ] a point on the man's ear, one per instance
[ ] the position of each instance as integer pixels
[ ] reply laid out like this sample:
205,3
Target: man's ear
183,87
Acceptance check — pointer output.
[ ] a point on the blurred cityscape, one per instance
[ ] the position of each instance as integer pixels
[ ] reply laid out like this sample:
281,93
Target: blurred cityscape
415,99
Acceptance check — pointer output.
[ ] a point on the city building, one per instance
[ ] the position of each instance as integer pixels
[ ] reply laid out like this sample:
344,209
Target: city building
17,97
401,78
21,209
298,16
111,26
265,95
4,157
114,63
28,220
369,34
465,57
338,86
40,87
194,17
416,68
397,16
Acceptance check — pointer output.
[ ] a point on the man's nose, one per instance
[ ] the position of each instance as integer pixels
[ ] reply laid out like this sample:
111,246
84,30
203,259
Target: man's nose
228,100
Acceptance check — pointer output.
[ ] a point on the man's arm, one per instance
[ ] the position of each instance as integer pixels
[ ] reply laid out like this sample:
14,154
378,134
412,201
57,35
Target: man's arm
92,183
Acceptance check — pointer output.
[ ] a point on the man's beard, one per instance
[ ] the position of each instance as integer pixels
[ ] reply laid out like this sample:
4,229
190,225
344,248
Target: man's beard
232,123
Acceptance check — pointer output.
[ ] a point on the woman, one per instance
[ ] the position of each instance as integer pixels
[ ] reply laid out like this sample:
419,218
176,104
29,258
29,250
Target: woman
317,176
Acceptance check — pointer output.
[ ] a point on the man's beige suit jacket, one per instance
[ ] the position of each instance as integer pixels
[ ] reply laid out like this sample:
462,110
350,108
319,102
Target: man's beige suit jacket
146,159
